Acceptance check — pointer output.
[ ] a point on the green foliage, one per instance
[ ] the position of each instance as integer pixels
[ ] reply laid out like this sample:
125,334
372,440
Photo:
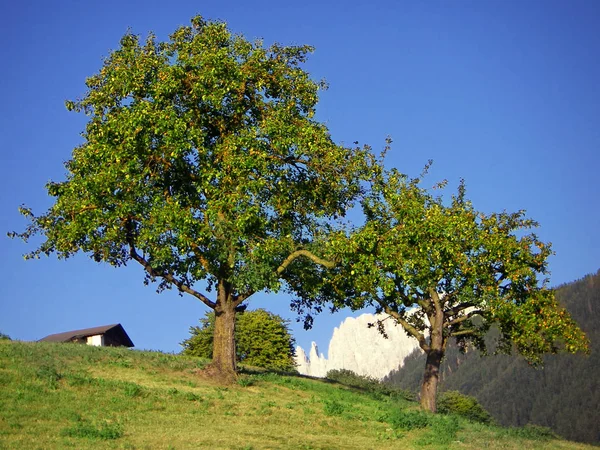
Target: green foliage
4,337
202,161
200,343
448,259
201,154
444,270
263,339
453,402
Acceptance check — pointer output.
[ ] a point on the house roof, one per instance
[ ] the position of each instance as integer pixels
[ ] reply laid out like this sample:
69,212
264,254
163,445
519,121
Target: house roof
115,330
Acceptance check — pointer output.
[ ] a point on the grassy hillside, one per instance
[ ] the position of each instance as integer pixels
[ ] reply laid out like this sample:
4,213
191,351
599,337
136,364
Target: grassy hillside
75,396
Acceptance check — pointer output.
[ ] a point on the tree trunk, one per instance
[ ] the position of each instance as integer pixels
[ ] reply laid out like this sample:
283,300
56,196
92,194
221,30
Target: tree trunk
224,356
431,379
435,354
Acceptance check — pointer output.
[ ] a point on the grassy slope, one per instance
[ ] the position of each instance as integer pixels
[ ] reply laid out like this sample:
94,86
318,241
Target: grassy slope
75,396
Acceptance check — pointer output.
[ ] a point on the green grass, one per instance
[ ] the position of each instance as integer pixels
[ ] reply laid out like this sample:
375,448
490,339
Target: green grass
80,397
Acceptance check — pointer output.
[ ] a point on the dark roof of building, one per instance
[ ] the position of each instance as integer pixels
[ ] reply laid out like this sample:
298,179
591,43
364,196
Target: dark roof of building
115,330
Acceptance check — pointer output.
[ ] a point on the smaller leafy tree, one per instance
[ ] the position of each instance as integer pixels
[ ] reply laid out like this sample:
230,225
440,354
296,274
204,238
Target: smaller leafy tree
4,337
443,270
263,339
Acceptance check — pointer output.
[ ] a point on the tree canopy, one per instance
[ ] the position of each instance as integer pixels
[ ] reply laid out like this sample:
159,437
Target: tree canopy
444,270
202,162
263,339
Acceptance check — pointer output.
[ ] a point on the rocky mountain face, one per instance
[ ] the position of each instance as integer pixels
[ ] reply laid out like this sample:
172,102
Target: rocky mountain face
358,347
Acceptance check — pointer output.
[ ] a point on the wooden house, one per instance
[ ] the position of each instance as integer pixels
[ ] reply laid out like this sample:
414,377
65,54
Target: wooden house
104,336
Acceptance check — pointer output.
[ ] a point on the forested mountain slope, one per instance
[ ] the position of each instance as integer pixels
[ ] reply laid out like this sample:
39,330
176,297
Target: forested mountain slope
564,395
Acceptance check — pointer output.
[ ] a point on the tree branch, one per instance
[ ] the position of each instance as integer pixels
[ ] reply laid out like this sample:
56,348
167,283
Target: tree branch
400,292
239,299
170,278
309,255
329,264
458,308
463,318
200,256
407,326
436,300
425,305
464,332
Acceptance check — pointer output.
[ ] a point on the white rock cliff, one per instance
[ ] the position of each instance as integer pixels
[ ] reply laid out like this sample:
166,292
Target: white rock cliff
356,346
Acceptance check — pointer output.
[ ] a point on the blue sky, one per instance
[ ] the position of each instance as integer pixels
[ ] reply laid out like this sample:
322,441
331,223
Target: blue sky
502,93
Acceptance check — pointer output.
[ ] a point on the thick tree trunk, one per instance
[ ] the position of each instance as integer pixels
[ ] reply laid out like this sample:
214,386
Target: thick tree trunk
431,379
223,362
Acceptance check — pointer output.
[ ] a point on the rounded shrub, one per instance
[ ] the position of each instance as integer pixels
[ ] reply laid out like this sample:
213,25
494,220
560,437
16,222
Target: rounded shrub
453,402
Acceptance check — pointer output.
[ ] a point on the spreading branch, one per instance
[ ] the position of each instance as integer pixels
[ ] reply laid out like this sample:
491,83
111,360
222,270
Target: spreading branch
307,254
420,337
241,298
200,256
169,277
296,254
458,308
468,332
435,297
463,318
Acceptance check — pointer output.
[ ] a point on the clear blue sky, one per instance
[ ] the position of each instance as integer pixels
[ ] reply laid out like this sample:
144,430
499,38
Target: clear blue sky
503,93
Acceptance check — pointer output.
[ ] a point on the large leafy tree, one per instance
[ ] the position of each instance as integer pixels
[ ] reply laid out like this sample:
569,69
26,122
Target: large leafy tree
263,339
445,271
202,162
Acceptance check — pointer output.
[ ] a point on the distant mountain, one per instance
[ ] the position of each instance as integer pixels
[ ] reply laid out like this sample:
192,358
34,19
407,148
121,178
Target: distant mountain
564,395
358,347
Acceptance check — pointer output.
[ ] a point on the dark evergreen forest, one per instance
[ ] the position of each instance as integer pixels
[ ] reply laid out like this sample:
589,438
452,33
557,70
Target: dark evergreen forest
563,395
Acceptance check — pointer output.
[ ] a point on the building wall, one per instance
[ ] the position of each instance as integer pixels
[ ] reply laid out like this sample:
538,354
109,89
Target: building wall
96,340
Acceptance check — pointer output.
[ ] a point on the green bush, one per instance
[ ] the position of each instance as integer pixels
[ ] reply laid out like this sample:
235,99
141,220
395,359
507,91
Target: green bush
453,402
263,339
